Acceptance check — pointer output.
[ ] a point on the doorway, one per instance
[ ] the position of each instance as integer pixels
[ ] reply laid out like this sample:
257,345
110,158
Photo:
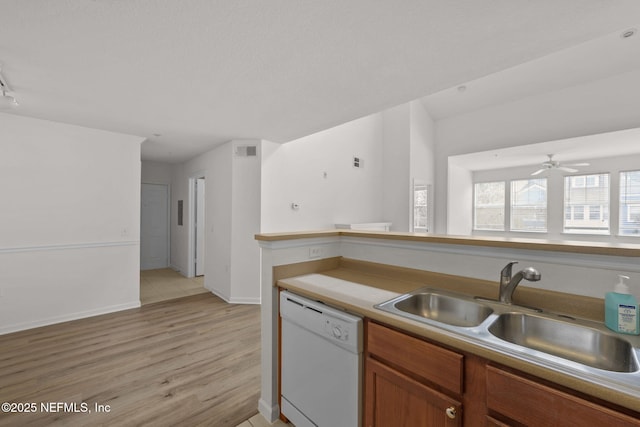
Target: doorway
154,226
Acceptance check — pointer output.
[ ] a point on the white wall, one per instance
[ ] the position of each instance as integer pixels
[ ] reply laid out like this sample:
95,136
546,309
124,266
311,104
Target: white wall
232,218
70,222
246,218
422,150
295,173
460,201
396,185
600,106
156,172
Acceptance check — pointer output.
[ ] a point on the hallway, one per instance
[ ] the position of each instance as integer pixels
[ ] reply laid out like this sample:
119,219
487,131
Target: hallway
166,284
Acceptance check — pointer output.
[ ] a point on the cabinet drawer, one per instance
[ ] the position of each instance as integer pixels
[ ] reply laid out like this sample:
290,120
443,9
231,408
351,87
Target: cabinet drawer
438,365
534,404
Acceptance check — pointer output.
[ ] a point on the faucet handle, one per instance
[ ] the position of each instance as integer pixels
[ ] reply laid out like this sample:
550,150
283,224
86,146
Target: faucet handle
506,271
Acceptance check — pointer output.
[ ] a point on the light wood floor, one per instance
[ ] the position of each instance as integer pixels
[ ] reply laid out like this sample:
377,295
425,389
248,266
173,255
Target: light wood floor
194,361
166,284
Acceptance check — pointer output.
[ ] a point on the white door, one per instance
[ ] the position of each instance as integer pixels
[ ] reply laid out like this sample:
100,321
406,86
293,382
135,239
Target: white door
154,227
199,227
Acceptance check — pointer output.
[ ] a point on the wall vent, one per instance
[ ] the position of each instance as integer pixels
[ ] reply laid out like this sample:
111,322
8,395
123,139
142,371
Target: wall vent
246,151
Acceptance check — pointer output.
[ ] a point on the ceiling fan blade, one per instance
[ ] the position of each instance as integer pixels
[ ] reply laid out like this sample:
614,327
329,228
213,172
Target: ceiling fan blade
570,170
576,164
538,172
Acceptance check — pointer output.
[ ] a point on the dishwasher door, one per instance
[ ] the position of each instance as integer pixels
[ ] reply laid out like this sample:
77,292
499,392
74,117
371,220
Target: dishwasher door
321,364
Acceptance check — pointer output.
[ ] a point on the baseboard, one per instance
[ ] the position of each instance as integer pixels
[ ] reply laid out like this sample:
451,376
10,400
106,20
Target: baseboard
270,413
68,317
218,294
245,301
175,268
232,300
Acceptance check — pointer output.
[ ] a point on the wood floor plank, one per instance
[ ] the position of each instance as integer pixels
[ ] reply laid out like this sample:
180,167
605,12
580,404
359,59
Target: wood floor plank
192,361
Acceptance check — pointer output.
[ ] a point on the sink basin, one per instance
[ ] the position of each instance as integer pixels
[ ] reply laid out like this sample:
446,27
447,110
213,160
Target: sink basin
578,343
443,308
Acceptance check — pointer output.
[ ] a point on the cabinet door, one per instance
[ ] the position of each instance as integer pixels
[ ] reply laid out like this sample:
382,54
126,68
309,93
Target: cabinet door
393,399
534,404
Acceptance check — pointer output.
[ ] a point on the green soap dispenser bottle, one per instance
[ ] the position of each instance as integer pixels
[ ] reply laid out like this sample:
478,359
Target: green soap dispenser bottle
621,309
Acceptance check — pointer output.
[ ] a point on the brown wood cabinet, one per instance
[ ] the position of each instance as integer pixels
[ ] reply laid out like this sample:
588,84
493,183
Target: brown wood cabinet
404,379
412,382
394,399
514,397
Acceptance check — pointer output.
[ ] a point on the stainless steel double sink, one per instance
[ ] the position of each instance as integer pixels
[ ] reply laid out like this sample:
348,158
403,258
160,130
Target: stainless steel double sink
582,347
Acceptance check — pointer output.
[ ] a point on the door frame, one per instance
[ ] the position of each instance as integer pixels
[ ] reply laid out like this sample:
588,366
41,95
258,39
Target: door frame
191,250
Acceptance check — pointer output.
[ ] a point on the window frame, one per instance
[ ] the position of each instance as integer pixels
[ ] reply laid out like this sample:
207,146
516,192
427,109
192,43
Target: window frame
510,211
584,214
629,207
504,207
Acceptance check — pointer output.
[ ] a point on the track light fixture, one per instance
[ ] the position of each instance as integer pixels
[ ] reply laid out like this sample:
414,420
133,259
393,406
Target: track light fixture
7,99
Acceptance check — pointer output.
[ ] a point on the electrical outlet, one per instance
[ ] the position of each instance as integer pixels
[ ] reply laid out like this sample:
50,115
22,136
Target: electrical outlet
316,252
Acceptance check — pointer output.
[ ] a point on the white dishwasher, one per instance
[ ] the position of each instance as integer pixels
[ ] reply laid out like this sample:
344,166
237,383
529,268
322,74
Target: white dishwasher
321,364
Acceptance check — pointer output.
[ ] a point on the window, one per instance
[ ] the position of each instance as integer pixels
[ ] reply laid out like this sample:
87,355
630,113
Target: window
577,181
529,205
489,206
586,204
630,203
420,205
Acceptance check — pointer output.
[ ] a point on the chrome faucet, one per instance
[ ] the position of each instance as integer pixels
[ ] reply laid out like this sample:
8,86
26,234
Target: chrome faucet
508,284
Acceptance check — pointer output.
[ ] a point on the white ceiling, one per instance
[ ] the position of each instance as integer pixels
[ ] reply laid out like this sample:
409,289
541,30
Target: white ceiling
595,59
570,150
202,72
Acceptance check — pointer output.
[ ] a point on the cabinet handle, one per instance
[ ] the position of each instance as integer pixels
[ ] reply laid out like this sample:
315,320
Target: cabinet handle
451,412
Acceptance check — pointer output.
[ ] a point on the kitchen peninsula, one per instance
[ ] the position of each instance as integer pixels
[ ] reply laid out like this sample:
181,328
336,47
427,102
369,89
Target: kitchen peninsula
356,270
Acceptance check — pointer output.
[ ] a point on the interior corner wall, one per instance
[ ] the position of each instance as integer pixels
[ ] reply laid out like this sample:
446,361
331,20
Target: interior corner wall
396,185
316,172
599,106
70,222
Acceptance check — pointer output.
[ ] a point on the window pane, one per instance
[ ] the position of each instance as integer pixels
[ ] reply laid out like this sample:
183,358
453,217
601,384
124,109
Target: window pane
630,203
420,215
586,204
529,205
489,206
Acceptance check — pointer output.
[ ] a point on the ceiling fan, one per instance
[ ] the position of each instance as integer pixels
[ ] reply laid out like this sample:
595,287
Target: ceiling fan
554,164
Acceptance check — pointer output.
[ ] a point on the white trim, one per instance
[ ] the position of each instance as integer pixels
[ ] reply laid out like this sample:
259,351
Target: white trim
175,268
191,238
225,298
69,317
69,246
270,413
255,301
232,300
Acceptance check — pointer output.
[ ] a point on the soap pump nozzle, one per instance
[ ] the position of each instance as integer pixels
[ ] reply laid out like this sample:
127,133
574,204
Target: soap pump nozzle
621,287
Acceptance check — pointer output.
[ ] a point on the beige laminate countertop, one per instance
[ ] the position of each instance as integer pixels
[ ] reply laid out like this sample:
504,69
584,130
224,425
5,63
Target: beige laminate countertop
594,248
360,299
